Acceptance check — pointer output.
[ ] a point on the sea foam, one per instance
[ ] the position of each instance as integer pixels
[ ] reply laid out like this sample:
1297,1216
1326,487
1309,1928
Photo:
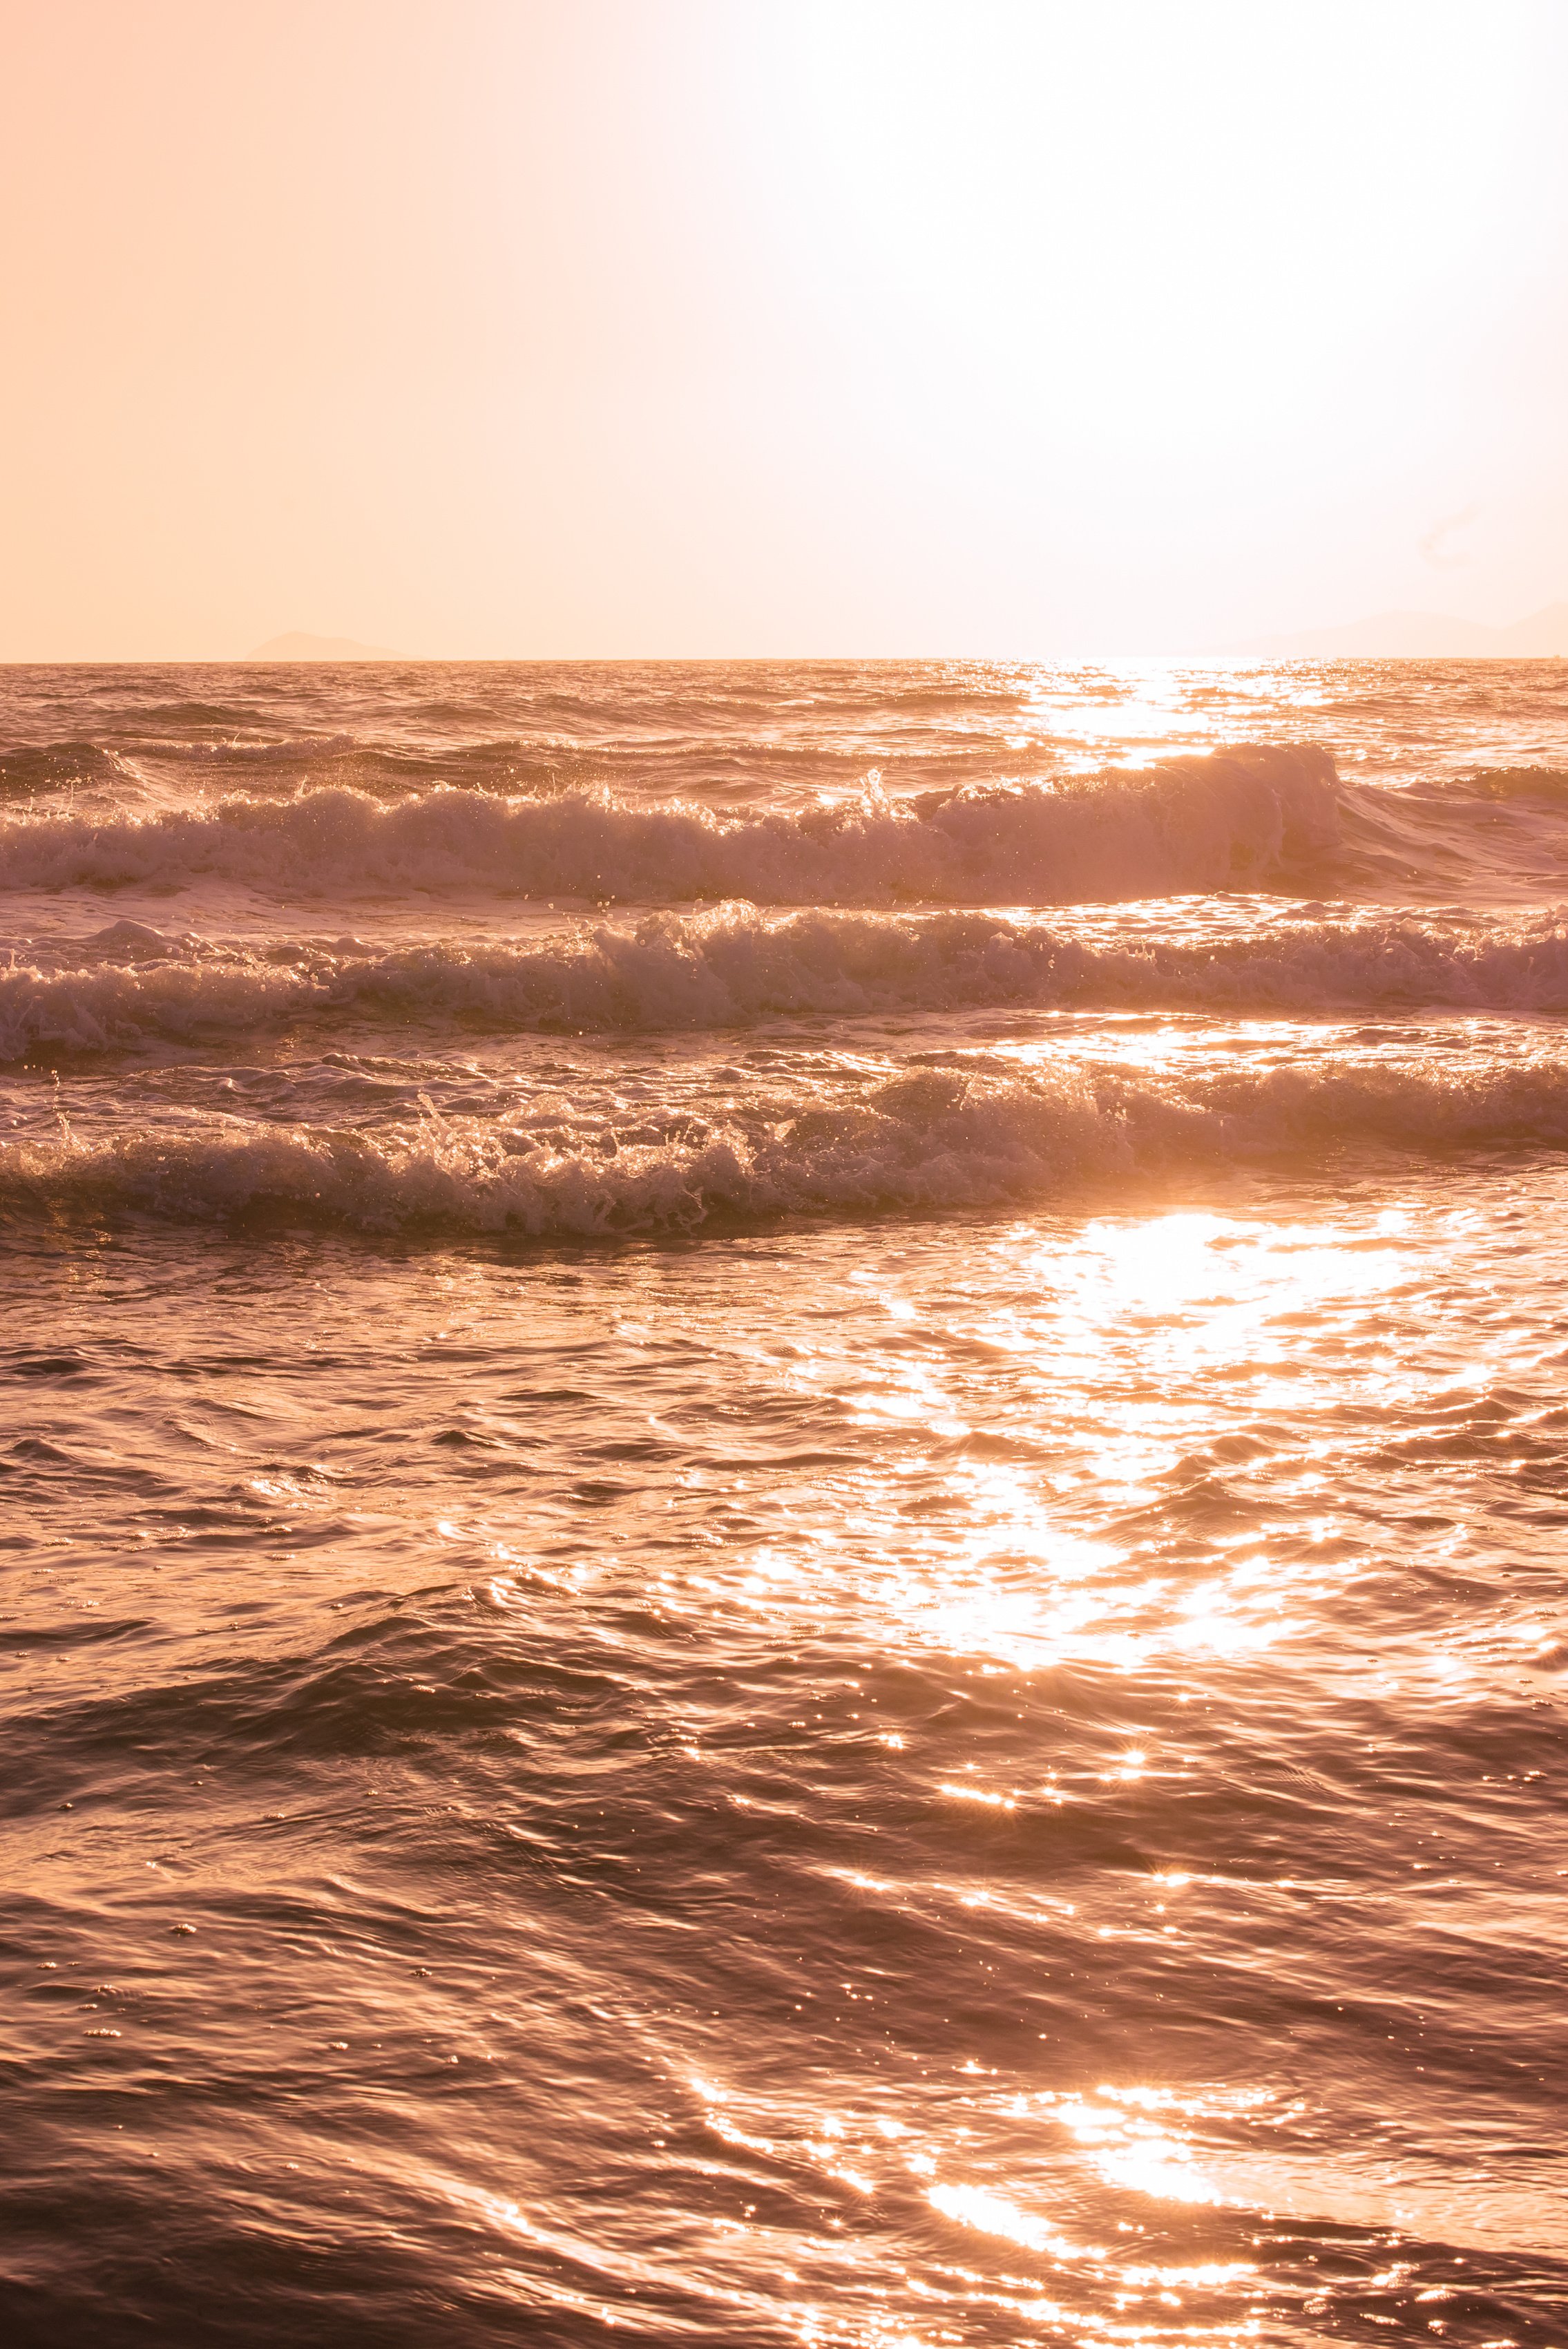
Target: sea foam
1224,822
928,1140
733,966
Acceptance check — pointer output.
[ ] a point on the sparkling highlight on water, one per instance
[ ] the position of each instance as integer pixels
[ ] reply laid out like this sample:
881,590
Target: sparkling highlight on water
783,1498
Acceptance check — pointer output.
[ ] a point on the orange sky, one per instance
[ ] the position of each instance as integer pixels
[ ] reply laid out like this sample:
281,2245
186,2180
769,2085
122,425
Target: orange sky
726,327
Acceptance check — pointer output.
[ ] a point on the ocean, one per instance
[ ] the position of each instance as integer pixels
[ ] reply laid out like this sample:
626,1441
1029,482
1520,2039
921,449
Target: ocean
784,1487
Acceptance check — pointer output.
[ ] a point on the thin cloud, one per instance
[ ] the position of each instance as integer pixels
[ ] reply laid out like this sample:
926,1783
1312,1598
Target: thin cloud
1437,547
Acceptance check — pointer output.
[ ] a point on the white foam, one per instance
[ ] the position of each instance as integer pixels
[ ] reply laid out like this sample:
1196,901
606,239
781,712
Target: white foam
1218,822
931,1140
733,966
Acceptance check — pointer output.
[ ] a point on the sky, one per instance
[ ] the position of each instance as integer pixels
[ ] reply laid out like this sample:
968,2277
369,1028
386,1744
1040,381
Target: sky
539,329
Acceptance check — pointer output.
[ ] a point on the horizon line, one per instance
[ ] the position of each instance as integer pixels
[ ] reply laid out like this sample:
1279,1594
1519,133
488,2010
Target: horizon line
1228,654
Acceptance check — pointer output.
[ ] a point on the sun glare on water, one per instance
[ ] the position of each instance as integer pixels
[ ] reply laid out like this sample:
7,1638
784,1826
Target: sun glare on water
1145,1337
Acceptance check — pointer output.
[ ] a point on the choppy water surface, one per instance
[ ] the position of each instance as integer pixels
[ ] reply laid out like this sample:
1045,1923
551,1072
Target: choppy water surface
785,1475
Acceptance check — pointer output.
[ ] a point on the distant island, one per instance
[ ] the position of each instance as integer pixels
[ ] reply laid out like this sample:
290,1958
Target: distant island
1419,635
300,646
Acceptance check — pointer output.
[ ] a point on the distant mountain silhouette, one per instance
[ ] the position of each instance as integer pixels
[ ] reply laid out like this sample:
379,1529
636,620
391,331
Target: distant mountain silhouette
299,647
1419,635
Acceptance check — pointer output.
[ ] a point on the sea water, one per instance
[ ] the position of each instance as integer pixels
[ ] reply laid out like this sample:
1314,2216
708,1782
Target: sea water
784,1483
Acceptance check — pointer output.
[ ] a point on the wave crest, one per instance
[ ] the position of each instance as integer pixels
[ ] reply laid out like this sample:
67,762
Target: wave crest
1225,821
733,966
930,1139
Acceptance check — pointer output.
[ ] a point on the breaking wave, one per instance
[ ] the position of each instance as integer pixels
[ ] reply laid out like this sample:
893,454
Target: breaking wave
732,967
931,1140
1236,820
